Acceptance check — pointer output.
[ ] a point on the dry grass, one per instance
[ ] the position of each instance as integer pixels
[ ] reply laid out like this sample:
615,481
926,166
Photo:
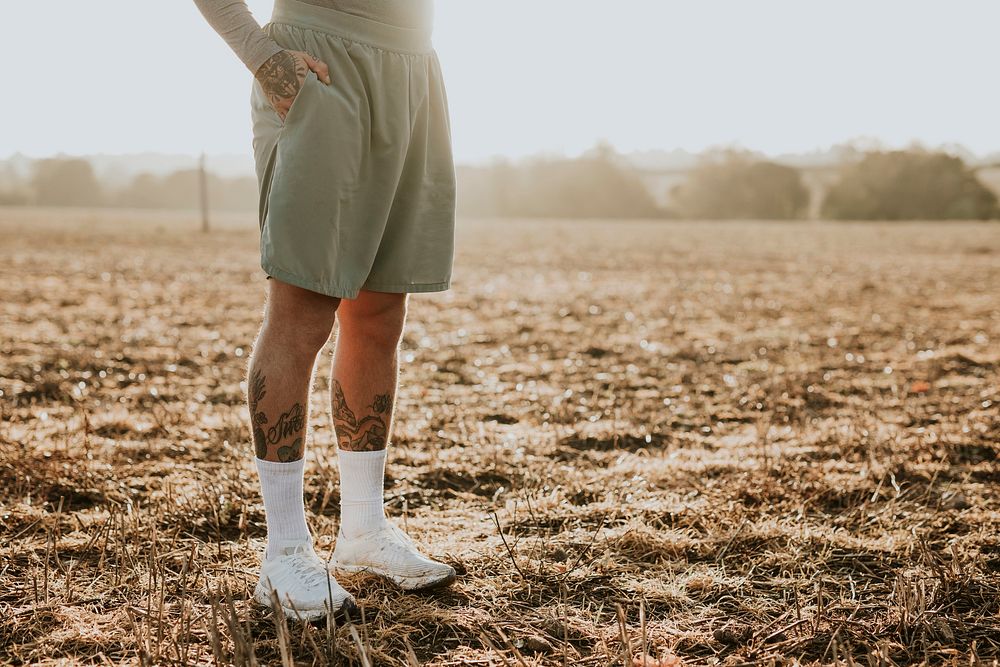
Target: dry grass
729,443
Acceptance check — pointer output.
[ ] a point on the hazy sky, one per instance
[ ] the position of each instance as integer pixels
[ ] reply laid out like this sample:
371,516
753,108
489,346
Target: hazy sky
525,76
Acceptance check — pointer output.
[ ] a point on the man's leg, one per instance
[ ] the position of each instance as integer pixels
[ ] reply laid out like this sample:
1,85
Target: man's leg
297,323
363,392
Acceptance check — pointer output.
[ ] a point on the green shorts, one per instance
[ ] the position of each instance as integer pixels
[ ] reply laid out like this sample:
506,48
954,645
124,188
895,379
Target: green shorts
357,183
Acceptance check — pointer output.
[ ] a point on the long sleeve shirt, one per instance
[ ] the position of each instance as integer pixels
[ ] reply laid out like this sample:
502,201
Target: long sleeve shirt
235,23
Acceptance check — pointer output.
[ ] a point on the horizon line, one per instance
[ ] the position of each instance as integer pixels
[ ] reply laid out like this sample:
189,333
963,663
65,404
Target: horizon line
861,143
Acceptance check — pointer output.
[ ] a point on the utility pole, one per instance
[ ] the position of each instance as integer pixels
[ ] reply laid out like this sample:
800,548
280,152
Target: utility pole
203,193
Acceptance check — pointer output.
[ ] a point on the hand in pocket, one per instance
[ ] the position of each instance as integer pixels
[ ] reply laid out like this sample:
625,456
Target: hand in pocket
282,75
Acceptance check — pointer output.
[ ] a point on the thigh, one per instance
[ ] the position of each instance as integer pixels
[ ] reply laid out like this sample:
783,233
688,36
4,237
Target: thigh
369,306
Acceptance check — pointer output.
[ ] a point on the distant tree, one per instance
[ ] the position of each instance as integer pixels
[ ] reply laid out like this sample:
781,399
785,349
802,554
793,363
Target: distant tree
909,185
144,191
594,185
490,190
737,185
238,193
14,197
65,182
179,190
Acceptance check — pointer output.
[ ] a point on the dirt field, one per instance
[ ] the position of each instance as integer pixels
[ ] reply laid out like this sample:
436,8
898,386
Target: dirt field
727,443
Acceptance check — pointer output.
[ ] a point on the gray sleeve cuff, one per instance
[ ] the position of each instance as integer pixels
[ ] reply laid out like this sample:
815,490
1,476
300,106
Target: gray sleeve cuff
261,55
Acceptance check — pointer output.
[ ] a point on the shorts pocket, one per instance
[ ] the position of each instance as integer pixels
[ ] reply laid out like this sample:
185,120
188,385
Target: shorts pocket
297,101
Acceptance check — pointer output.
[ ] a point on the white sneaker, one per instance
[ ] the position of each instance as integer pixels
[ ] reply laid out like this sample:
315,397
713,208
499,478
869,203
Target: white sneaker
306,589
389,552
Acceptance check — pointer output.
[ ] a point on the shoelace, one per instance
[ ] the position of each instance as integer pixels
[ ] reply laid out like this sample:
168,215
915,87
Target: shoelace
404,539
404,554
308,567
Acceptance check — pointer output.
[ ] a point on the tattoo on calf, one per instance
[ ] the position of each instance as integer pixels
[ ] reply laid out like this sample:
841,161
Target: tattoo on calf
290,424
291,452
257,418
370,433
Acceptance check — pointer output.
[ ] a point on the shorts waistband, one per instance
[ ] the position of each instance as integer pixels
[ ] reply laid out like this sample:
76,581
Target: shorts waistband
354,27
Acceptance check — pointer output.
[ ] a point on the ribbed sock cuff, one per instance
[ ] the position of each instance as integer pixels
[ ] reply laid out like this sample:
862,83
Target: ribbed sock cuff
281,486
362,475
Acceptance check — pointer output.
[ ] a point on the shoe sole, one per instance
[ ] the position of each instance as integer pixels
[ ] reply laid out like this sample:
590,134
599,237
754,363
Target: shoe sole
348,610
412,584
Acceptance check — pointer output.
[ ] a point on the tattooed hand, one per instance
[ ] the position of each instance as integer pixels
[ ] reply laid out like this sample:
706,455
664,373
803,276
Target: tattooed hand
281,77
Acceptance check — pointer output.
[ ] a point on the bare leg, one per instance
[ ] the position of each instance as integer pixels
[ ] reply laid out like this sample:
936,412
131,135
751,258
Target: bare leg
364,378
297,323
365,369
363,390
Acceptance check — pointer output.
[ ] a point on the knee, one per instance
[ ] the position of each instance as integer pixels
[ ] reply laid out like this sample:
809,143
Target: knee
380,326
301,335
298,321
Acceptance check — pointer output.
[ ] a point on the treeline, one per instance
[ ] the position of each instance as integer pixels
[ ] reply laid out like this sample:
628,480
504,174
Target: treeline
735,185
878,185
730,185
73,182
909,185
595,185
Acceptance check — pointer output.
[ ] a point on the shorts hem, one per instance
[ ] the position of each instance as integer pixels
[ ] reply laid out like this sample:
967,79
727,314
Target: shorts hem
352,292
409,287
311,285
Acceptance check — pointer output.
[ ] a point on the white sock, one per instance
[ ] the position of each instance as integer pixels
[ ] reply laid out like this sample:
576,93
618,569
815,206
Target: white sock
281,486
362,475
